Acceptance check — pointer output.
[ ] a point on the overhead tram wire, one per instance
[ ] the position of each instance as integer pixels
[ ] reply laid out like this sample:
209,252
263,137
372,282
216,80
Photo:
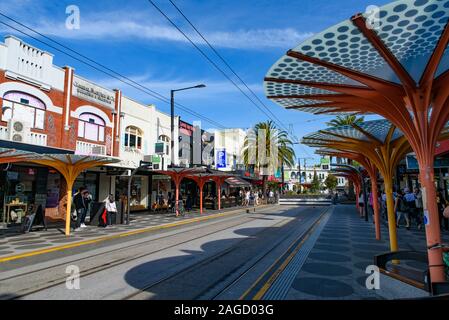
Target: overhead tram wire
209,59
223,60
128,81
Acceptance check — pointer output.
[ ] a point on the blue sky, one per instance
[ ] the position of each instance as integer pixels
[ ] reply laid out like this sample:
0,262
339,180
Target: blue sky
132,38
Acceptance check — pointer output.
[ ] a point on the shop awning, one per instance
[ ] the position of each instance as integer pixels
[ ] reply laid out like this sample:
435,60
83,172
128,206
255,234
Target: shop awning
6,144
237,182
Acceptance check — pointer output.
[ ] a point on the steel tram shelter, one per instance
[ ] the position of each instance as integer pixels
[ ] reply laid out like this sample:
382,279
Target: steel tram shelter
395,65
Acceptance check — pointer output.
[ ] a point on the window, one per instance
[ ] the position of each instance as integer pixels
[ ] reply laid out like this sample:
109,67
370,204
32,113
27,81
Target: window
91,127
133,138
165,139
24,107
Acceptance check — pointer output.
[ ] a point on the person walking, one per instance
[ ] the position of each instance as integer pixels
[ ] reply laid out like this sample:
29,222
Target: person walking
419,213
271,196
81,208
410,200
247,197
442,204
361,204
401,208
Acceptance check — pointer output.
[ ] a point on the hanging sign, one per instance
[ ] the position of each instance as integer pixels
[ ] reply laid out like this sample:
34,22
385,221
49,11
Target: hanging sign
221,159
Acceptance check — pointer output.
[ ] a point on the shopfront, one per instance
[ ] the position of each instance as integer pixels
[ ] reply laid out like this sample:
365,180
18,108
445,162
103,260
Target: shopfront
139,191
24,188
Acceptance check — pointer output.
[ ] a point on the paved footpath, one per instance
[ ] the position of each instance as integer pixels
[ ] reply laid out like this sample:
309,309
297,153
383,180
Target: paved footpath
340,253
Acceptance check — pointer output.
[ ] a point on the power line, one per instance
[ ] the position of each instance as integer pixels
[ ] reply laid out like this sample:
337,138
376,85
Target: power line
223,60
109,71
207,57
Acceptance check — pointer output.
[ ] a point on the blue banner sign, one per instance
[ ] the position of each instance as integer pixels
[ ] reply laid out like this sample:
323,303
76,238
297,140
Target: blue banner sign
221,159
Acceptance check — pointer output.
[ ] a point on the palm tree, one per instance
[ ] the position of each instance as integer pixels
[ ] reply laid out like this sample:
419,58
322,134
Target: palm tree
345,120
274,137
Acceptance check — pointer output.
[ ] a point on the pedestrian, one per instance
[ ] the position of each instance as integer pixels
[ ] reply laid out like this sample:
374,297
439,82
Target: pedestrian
419,214
383,203
370,203
401,208
271,196
361,204
111,210
410,200
189,204
81,208
442,204
247,197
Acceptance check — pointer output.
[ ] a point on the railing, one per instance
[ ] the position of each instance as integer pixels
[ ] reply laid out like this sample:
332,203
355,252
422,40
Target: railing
38,139
86,148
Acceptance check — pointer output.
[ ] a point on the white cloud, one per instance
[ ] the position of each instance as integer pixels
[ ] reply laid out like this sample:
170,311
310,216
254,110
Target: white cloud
113,26
213,88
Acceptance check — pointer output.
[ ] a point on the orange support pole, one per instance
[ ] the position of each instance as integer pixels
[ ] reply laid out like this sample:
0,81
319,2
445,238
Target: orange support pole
177,185
219,194
201,185
374,193
433,233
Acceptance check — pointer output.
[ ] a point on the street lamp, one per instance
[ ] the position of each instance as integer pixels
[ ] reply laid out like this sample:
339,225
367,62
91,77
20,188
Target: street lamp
172,103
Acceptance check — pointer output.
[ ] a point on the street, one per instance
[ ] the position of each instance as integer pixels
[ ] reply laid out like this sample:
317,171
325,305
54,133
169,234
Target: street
217,259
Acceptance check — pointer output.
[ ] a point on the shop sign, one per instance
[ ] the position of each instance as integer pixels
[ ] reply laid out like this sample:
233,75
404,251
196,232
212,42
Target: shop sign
156,159
20,187
88,91
440,163
161,177
12,175
159,148
221,159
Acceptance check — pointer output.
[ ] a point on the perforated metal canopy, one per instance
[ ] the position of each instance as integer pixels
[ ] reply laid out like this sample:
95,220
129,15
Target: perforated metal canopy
409,29
365,132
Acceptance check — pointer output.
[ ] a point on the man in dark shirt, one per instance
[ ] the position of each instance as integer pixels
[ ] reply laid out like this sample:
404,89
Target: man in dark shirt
80,203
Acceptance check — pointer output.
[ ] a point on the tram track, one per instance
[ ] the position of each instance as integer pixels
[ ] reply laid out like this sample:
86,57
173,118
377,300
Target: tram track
232,277
117,262
191,229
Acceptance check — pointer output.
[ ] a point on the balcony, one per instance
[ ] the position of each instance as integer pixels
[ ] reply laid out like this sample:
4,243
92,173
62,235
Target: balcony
34,138
90,149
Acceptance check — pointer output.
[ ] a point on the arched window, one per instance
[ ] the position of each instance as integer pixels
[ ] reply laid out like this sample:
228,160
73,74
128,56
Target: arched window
164,138
91,127
133,137
24,107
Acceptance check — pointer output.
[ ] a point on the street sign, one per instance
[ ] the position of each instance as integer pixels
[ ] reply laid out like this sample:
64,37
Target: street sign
146,164
221,158
156,159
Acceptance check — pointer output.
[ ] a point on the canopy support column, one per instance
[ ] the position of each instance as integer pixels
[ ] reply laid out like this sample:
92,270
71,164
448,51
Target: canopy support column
69,183
391,213
374,193
433,233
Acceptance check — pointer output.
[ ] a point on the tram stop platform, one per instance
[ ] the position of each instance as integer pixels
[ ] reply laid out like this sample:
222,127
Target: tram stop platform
332,262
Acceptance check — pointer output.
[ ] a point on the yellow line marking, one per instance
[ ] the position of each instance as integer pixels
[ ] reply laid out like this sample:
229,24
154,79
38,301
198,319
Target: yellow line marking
282,267
117,236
